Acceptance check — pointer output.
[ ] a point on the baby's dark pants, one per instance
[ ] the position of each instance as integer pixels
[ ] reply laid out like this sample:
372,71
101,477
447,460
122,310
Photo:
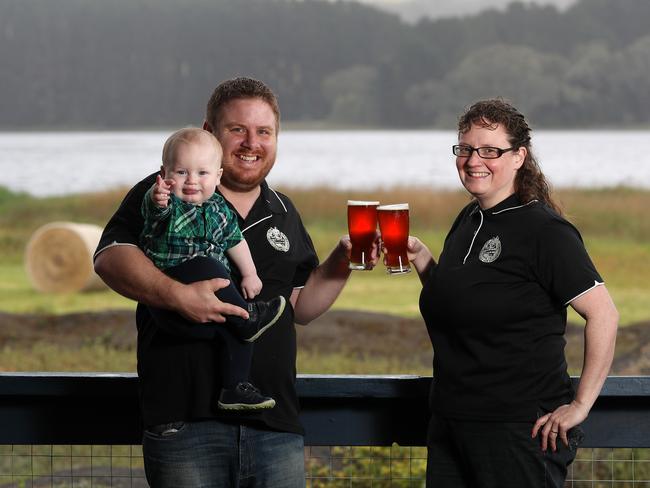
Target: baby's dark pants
236,355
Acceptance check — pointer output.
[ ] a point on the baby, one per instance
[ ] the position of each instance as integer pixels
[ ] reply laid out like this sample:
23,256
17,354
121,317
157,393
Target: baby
191,233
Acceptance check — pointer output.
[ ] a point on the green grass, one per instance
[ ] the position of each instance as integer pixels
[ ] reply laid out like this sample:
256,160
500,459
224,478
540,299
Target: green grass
53,357
613,223
316,362
18,296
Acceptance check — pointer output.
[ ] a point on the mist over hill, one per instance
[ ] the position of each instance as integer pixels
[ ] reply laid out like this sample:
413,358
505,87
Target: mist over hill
415,10
153,63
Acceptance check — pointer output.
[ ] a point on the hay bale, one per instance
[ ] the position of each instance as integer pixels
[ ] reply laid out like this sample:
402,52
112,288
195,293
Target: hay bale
58,258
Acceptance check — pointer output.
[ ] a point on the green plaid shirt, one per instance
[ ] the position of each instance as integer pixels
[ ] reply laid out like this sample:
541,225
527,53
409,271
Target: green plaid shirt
182,230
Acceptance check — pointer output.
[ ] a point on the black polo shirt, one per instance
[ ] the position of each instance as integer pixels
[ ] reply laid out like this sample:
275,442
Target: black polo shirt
495,309
180,377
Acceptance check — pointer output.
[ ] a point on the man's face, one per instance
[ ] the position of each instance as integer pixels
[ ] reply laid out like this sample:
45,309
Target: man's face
248,133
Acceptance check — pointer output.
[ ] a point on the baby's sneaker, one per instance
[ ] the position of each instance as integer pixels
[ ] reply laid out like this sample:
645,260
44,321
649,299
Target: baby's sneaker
261,316
244,397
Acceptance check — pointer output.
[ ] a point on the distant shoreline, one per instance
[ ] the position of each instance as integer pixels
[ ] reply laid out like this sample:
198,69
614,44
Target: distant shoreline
306,126
359,160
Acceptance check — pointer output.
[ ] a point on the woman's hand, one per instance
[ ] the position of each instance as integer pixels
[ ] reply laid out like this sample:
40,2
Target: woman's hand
555,425
415,248
420,257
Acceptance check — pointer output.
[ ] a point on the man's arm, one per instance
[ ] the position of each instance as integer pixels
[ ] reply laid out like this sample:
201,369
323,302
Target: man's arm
129,272
324,284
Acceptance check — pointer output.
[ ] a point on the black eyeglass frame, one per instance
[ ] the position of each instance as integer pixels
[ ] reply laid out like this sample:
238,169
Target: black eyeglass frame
499,151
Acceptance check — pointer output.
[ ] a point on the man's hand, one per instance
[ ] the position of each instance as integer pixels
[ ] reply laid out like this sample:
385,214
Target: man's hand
197,301
345,246
161,191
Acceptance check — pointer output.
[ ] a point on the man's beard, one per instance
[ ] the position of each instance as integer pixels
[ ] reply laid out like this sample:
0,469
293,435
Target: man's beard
236,181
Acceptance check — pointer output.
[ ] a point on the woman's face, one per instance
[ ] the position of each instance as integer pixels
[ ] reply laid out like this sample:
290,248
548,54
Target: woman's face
490,181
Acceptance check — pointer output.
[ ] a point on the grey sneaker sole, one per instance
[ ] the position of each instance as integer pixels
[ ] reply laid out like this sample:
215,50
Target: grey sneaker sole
283,303
245,406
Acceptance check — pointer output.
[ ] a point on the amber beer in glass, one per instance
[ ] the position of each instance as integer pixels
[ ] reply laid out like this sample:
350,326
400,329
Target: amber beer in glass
394,228
362,227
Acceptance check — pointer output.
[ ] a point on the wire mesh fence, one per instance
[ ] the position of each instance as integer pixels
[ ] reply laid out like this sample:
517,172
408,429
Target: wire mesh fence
617,468
59,466
27,466
358,467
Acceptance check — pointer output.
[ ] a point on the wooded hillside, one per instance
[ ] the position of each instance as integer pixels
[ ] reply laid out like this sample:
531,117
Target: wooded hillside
152,63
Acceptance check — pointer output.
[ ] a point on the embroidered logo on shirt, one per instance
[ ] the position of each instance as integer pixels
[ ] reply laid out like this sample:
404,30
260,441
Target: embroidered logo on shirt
490,250
277,239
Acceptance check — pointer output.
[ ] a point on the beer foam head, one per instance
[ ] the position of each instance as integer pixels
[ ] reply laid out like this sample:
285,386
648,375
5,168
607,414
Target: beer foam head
360,203
396,206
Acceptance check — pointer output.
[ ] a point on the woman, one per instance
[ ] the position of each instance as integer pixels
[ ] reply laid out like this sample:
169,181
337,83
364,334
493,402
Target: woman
504,412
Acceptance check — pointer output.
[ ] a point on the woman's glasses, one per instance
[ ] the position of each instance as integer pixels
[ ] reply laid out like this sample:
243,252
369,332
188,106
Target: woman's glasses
486,152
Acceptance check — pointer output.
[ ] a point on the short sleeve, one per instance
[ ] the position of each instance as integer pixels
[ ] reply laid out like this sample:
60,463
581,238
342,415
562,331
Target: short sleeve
564,268
126,224
308,257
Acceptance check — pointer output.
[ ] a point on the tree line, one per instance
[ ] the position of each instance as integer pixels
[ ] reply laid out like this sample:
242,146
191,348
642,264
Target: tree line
152,63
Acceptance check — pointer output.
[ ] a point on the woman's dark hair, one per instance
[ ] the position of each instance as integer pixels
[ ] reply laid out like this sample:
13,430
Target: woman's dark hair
530,182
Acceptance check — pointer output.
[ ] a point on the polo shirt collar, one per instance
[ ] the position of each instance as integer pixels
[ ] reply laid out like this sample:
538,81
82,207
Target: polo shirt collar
268,199
511,202
267,204
271,199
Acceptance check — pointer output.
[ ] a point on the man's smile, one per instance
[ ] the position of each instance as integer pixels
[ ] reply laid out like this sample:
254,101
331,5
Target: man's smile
247,158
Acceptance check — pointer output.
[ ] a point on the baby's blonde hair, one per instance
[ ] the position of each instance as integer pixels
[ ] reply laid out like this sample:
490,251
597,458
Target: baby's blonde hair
188,135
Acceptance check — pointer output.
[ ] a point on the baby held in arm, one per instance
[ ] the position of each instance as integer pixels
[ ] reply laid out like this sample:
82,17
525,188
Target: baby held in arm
192,234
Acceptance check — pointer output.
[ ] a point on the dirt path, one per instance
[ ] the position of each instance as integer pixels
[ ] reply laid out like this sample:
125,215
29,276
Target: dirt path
352,331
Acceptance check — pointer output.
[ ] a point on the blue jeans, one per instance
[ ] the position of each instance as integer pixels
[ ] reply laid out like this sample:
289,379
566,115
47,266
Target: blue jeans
213,454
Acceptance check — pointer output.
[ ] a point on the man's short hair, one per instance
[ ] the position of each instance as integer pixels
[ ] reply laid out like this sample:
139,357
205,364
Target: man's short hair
237,88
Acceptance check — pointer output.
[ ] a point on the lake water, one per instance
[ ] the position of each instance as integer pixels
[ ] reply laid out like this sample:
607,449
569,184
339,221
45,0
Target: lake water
57,163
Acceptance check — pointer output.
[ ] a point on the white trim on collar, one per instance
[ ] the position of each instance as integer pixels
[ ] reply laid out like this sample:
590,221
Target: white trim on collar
278,197
255,223
514,208
471,244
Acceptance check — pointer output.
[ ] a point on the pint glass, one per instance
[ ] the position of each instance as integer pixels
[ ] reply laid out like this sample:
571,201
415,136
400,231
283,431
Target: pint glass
362,227
394,228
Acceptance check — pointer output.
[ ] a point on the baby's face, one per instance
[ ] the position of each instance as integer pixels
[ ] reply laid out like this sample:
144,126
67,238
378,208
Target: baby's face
196,171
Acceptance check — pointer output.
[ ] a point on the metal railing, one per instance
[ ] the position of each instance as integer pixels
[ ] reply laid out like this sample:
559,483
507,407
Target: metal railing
82,430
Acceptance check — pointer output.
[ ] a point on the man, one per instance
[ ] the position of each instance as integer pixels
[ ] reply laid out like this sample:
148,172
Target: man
187,442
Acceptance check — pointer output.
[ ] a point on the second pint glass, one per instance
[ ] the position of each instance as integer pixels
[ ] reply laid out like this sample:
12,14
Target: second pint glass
394,228
362,227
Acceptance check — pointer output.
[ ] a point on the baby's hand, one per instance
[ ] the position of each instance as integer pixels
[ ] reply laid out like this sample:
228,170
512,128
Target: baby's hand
161,190
251,286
